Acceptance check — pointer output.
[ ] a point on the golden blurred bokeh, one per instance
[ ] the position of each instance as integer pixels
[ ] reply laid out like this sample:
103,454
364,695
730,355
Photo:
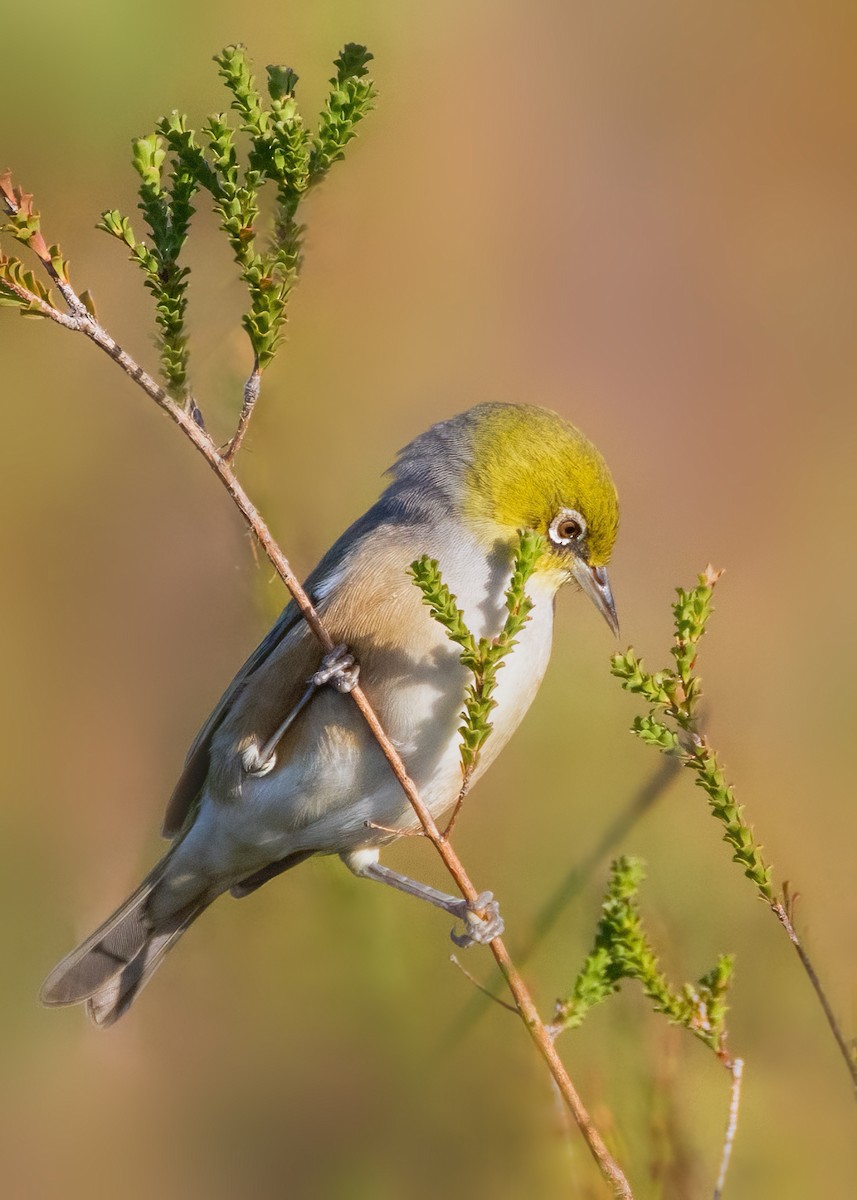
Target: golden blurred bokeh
641,215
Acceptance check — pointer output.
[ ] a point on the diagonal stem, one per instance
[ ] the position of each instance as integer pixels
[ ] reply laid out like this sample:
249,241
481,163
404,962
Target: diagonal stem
459,803
736,1067
82,321
523,1000
847,1052
251,395
46,309
481,987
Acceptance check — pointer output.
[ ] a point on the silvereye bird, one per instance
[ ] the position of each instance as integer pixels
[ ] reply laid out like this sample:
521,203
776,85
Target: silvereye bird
285,767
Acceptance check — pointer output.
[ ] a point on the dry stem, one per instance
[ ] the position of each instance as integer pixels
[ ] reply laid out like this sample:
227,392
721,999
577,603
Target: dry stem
79,319
780,912
251,394
480,987
459,802
736,1066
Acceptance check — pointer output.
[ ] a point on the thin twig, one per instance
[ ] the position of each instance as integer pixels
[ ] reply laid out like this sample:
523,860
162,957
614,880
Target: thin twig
845,1050
220,464
251,394
481,987
397,833
459,802
737,1069
46,309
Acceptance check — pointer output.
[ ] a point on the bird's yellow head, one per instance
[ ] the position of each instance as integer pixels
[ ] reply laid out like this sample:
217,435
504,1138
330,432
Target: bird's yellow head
506,467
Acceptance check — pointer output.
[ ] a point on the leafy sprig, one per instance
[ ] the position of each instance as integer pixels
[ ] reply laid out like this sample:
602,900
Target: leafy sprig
15,279
351,97
670,724
20,288
282,151
167,210
483,656
621,950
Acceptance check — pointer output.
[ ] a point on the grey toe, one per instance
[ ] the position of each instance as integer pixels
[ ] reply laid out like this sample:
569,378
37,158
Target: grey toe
479,929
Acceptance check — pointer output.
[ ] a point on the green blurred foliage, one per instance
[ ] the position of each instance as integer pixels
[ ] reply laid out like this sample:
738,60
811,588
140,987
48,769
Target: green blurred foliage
642,216
622,950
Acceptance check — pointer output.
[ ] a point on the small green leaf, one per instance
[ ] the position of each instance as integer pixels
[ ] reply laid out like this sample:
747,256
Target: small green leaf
282,82
89,303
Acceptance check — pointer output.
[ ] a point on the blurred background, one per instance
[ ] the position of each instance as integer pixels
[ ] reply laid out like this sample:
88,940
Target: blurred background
642,216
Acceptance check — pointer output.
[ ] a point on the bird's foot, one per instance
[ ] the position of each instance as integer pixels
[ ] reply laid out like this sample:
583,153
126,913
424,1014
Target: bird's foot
482,921
339,669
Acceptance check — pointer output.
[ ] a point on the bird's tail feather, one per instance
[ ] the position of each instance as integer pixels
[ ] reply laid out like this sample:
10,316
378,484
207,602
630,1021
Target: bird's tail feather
109,969
118,993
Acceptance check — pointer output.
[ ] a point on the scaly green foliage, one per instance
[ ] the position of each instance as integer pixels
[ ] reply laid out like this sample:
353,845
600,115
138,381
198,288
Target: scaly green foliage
167,212
674,695
622,950
281,151
483,657
350,99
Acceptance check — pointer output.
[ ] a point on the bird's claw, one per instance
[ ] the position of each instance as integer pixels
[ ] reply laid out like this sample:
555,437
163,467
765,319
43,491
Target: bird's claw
482,921
339,669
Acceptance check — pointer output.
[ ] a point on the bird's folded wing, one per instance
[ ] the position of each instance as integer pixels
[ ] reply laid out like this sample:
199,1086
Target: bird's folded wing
289,654
196,764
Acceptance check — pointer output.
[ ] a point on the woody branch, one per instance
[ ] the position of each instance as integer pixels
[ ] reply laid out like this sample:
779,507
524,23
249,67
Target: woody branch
80,319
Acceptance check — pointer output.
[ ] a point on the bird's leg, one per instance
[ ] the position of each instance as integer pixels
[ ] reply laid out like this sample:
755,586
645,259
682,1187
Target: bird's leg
259,760
339,669
482,920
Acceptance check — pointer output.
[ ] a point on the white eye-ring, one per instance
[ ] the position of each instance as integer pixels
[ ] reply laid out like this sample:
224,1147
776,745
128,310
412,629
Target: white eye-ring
567,526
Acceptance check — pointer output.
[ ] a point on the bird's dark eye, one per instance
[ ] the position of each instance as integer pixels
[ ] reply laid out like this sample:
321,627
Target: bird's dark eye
569,529
567,526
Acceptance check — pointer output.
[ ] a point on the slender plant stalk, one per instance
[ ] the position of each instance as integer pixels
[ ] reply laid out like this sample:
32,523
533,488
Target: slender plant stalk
674,694
737,1069
251,394
81,320
780,912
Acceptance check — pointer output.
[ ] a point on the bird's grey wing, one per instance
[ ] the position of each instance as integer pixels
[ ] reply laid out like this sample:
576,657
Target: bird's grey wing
320,586
196,762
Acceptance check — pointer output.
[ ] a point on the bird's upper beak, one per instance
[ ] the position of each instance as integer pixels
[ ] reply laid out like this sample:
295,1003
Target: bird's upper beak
596,584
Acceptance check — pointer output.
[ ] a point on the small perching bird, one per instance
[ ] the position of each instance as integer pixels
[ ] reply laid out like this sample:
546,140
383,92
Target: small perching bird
286,767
